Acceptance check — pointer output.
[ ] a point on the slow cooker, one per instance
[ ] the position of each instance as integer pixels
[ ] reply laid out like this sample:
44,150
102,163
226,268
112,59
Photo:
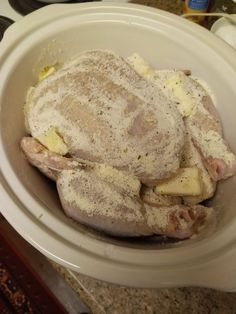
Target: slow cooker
57,33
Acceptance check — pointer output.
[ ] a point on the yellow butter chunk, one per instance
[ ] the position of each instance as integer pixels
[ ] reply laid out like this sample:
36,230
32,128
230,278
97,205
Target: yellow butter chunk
185,102
45,72
185,183
54,142
175,83
141,66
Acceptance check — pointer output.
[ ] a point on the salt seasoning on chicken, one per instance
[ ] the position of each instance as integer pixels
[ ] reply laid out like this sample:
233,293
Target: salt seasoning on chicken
106,112
108,205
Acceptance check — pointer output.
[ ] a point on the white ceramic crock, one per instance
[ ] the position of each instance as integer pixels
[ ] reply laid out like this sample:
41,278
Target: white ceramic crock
29,202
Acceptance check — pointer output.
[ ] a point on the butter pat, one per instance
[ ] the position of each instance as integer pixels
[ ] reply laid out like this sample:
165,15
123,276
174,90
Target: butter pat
174,84
184,102
45,72
185,183
141,66
54,142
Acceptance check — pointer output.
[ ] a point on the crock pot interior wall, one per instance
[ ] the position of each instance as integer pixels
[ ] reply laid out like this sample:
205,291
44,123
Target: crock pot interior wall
154,45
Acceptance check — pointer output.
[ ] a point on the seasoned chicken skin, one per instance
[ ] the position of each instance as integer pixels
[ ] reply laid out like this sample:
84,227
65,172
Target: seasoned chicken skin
201,117
108,199
107,113
202,123
113,135
191,157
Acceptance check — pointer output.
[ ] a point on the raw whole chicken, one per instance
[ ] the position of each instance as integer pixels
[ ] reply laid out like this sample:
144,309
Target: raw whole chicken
108,113
112,136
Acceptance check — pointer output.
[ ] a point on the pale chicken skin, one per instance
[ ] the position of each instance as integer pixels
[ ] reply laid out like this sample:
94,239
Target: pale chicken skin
106,112
89,196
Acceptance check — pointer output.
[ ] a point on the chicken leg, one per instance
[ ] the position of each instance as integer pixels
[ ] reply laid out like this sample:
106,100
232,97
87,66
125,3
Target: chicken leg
109,200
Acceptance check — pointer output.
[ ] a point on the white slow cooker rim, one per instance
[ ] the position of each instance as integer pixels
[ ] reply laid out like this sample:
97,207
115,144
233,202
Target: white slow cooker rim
219,242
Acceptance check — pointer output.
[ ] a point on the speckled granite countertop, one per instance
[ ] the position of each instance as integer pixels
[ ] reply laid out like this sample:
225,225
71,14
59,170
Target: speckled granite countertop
106,298
174,6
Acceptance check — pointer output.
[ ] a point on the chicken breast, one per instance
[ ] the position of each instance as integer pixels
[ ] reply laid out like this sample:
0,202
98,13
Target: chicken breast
107,113
109,200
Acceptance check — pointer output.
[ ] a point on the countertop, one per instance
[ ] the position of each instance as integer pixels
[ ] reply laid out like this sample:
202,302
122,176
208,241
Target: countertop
106,298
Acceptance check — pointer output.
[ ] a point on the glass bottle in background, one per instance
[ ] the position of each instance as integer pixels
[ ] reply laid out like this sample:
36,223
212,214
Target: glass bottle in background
196,6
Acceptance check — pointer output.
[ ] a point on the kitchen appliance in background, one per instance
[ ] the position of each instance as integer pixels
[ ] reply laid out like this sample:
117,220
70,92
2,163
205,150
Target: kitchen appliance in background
220,7
14,10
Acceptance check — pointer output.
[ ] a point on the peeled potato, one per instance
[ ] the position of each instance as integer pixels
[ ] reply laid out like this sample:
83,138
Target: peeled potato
54,142
185,183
